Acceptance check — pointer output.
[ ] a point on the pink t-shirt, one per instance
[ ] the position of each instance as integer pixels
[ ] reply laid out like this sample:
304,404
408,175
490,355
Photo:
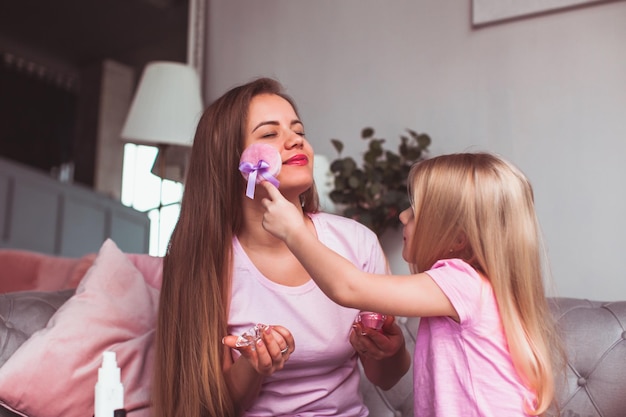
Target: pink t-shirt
321,377
464,369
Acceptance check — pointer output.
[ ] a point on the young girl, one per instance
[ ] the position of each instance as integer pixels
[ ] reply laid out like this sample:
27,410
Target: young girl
485,341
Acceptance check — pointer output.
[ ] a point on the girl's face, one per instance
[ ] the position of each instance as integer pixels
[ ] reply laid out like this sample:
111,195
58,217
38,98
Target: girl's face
272,120
408,221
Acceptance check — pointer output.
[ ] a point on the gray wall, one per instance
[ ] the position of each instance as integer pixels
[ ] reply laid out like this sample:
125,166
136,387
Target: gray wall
39,213
547,92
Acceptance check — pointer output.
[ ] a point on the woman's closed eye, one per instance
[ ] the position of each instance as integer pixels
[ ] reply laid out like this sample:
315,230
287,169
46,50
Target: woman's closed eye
270,135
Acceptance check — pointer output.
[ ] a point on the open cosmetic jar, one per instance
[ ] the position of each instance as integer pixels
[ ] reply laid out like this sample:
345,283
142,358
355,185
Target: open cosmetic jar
371,319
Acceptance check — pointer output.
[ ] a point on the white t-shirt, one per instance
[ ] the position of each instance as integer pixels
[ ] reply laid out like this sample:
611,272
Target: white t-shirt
321,377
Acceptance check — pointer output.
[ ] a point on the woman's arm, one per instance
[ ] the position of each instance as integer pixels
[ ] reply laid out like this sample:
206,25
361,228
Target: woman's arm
244,376
244,383
383,354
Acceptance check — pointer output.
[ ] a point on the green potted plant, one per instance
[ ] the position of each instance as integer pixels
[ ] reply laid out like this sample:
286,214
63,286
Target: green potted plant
375,192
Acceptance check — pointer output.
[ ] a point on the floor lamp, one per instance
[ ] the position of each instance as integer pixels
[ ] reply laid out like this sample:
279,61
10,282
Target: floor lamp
164,113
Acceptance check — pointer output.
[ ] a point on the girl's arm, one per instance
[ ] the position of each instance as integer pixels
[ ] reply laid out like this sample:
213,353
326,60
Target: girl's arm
401,295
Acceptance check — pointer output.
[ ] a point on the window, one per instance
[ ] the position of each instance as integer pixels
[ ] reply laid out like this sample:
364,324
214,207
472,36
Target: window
149,193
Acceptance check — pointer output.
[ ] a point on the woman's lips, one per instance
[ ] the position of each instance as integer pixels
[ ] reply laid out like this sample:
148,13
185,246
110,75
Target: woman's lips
299,159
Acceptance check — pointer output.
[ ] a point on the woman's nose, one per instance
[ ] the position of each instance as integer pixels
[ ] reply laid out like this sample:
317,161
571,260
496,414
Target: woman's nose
294,140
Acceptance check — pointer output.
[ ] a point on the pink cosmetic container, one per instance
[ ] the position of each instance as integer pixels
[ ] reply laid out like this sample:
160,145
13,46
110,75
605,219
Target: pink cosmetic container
371,319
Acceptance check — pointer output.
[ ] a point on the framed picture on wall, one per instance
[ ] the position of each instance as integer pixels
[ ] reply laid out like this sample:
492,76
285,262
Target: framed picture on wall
493,11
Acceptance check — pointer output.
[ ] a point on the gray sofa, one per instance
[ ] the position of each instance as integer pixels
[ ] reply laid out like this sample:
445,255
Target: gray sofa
594,333
595,381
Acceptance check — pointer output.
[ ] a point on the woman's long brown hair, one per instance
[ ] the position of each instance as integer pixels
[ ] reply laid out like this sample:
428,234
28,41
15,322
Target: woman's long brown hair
193,310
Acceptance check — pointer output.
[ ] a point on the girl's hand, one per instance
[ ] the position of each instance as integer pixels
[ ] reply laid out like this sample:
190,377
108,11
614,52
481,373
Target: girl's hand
281,217
377,345
269,353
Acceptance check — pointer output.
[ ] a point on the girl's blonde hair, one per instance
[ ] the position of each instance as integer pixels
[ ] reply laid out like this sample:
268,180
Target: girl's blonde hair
484,207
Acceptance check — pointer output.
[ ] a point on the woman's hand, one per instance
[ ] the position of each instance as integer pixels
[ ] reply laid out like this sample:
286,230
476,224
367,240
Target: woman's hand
377,345
383,353
269,353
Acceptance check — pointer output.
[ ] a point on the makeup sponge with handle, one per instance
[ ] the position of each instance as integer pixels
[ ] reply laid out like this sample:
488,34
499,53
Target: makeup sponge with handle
260,162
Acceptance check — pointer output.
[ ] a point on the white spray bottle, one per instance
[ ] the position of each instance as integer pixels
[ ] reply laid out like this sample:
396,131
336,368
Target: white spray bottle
109,391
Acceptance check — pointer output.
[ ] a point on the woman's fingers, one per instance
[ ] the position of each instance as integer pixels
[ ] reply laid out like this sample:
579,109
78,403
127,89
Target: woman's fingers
287,337
268,353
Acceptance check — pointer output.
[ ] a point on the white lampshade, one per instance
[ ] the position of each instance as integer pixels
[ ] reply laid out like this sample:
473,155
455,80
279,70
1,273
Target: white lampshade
166,107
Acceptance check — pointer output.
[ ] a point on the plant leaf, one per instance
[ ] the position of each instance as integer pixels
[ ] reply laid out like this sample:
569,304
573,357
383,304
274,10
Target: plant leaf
337,144
424,140
374,192
367,133
353,182
348,166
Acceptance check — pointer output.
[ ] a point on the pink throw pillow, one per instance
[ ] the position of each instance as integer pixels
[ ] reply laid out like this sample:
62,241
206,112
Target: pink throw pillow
55,371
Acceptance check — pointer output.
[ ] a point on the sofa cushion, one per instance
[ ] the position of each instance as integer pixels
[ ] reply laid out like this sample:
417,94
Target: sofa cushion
23,313
54,372
594,335
22,270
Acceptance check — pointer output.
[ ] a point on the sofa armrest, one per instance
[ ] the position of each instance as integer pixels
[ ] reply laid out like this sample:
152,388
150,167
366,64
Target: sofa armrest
594,336
23,313
7,413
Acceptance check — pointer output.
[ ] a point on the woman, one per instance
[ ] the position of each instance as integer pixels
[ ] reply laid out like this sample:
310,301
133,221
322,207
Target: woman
224,273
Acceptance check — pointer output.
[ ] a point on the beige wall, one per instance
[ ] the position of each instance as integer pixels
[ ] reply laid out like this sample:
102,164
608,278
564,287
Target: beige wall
117,89
548,92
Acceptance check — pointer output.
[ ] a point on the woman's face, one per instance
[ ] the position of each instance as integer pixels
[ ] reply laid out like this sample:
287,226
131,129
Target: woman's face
408,221
273,121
